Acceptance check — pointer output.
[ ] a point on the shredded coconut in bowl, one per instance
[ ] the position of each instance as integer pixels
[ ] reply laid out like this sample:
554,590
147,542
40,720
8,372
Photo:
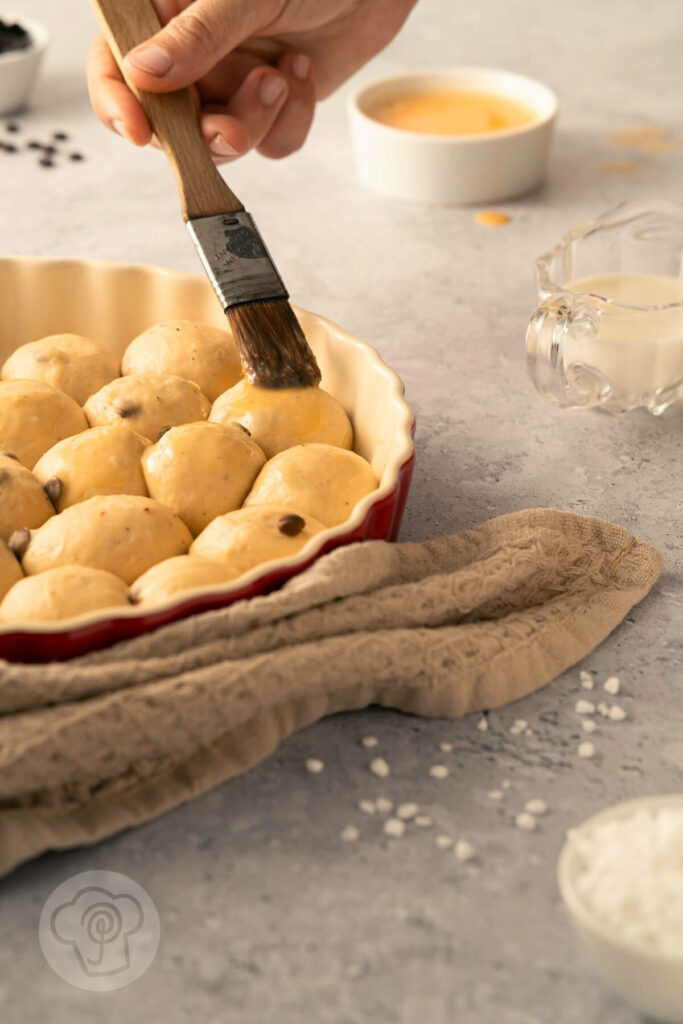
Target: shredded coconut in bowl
630,877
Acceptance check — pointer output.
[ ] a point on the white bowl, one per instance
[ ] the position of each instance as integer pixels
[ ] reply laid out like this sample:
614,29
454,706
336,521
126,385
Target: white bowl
650,980
19,68
452,169
114,302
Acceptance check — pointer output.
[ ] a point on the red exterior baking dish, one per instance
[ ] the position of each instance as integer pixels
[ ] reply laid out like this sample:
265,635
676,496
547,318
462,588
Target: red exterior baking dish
113,303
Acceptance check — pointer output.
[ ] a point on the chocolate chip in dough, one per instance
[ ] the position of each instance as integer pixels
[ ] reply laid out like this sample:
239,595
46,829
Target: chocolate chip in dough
53,488
128,409
19,542
291,524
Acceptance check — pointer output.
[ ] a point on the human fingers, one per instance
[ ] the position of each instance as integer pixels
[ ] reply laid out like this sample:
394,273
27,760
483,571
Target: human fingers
288,132
240,125
194,41
112,100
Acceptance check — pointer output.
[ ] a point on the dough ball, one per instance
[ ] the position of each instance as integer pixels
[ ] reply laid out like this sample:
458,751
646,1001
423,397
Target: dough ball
69,362
176,575
34,416
147,403
23,502
200,470
279,419
63,593
315,479
121,533
198,352
102,460
10,570
250,536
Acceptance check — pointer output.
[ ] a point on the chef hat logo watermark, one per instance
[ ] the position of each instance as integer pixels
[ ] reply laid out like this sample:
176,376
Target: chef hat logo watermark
99,930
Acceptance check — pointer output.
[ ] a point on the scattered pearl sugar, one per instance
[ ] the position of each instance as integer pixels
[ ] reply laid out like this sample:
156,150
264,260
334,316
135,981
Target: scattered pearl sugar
464,851
394,827
367,806
483,724
443,842
379,767
584,707
611,685
518,727
496,794
369,741
439,771
422,821
407,811
586,680
446,747
526,822
616,713
350,834
383,805
588,725
314,765
586,750
630,876
536,807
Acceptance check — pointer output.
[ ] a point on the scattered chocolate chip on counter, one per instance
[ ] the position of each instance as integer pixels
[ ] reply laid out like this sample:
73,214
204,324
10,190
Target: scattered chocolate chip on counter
50,153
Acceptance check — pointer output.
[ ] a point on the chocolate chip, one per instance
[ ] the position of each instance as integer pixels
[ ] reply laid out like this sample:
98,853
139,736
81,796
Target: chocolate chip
291,524
46,162
128,409
60,137
162,432
8,148
245,429
12,126
10,455
49,150
19,542
53,488
76,156
34,145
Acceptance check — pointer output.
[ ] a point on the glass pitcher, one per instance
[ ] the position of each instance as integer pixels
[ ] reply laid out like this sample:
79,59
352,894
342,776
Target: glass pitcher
621,350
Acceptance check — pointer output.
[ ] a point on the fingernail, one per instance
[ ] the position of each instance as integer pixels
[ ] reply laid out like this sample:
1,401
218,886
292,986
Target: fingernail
301,66
271,89
151,59
222,148
119,128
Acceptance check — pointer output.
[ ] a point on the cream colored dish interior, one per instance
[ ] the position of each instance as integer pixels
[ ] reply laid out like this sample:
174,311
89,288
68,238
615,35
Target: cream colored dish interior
115,302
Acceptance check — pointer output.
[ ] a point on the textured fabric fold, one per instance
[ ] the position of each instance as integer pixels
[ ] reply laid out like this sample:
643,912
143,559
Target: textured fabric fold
441,628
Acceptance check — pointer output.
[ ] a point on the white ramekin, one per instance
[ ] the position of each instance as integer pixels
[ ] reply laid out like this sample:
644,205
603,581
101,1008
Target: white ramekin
452,169
19,68
645,978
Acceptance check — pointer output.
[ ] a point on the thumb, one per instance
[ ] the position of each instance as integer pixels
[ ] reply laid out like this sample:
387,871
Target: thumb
192,42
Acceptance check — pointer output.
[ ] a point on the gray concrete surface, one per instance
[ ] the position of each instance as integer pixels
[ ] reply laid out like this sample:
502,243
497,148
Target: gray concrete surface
266,915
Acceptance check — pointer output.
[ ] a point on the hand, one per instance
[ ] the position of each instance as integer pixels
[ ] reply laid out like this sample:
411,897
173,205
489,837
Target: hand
257,67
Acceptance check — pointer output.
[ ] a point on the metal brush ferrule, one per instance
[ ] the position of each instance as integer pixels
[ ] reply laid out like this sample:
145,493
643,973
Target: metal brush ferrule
236,259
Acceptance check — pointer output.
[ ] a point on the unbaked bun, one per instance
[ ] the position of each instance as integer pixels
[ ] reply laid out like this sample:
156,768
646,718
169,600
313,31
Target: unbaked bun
34,416
250,536
148,403
121,533
186,348
23,502
69,362
63,593
176,576
201,470
317,480
102,460
280,418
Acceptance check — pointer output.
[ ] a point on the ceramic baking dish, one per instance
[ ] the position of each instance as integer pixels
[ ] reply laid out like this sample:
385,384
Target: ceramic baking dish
113,303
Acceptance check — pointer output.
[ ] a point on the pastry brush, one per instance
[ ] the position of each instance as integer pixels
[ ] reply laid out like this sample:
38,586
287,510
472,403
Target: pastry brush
272,346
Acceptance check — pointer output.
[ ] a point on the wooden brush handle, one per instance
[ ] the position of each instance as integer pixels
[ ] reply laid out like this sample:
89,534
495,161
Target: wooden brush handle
203,193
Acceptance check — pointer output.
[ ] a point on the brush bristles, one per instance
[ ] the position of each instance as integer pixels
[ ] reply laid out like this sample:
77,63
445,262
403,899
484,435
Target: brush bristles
272,346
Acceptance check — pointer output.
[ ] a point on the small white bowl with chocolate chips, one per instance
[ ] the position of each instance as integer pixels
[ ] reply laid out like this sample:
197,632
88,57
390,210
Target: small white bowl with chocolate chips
22,44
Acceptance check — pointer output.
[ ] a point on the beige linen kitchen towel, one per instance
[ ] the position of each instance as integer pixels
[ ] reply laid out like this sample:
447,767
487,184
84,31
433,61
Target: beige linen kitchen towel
445,627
